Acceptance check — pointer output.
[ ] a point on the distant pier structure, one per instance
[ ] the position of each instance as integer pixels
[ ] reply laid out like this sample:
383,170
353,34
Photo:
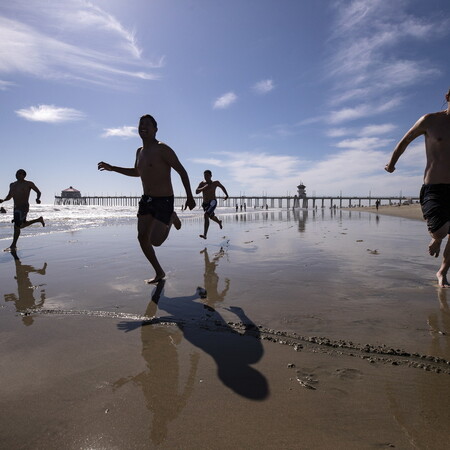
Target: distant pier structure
301,200
69,196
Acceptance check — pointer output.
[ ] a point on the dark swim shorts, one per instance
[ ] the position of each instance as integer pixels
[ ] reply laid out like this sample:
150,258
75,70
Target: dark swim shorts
209,207
20,216
435,202
161,208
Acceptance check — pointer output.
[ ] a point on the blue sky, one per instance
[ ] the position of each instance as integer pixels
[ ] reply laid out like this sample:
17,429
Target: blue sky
264,93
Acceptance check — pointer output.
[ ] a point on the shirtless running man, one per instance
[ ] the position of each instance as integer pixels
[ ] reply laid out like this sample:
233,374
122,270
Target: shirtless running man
20,191
208,189
435,192
154,161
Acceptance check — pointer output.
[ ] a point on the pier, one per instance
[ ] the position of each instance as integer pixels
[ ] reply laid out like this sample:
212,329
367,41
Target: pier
285,202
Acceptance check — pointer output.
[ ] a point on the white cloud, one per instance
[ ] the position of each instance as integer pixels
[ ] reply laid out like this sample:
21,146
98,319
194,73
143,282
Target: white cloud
364,143
356,169
225,100
367,56
70,41
49,114
263,86
373,130
5,85
123,132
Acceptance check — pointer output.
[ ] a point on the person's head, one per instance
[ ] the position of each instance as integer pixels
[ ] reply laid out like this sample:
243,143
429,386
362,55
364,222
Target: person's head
207,174
447,96
21,174
147,126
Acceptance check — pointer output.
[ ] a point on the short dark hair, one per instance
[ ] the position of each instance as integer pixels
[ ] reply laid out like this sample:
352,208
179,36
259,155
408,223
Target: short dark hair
21,170
148,116
208,171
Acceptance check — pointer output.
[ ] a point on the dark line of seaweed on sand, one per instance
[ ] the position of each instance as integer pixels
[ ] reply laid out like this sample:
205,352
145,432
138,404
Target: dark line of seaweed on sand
372,353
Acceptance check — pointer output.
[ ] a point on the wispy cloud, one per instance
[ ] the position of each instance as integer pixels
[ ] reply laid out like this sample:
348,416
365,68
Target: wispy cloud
356,168
367,58
49,114
263,86
72,41
225,101
123,132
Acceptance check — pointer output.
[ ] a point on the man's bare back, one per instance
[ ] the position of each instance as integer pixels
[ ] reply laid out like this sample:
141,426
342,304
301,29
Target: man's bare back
20,192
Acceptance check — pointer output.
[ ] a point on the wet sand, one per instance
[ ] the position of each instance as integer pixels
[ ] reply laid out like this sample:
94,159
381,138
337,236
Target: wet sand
315,331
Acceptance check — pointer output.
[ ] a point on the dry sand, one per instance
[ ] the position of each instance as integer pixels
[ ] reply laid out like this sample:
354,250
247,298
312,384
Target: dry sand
304,340
412,211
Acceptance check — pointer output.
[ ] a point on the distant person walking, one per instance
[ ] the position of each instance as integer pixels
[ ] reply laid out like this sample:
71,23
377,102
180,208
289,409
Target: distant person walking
377,204
153,164
435,192
20,191
208,189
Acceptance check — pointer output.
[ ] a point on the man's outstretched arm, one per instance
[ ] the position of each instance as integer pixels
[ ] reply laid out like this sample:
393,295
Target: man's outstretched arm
417,130
128,171
8,197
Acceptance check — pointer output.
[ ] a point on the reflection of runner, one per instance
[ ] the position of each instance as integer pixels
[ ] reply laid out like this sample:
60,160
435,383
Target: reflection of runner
160,383
20,191
211,279
208,189
25,298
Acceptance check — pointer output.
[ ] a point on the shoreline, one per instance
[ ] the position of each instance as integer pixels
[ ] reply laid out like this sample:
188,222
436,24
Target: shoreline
412,212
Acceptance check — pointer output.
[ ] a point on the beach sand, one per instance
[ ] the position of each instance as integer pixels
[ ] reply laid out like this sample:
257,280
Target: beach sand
316,331
411,211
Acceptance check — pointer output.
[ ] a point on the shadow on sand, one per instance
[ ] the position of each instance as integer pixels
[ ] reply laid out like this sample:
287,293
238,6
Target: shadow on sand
233,352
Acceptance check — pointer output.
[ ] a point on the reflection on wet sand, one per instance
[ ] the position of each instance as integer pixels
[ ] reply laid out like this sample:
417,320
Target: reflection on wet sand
25,300
211,334
426,390
211,279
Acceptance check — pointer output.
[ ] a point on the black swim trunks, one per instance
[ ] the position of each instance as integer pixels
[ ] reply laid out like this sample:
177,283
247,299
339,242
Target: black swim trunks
209,207
435,202
20,215
161,208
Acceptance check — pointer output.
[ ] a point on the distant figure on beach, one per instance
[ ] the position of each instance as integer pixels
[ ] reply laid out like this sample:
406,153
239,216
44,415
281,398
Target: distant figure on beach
435,192
154,161
20,191
377,204
208,189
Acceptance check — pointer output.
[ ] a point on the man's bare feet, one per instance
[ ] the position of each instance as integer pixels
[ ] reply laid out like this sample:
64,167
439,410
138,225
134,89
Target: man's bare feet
435,247
156,279
442,280
41,219
176,221
10,249
202,236
220,224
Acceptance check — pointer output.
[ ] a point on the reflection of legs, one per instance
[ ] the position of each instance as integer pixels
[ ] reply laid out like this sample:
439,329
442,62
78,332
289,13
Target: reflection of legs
206,226
442,272
146,226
